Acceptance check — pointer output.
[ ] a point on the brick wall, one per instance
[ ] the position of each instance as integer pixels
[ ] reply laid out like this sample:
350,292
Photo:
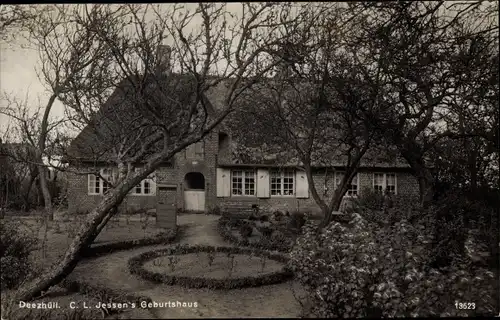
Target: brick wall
80,201
205,166
406,184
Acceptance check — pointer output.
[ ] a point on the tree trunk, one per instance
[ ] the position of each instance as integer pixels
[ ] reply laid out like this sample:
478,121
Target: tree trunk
334,206
28,191
423,174
86,235
82,240
47,197
312,187
426,188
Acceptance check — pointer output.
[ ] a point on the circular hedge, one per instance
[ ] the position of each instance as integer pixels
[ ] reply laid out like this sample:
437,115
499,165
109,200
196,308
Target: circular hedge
136,266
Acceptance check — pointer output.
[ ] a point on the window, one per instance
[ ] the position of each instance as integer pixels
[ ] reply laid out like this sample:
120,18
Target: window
378,182
384,182
98,185
145,187
352,188
243,183
282,183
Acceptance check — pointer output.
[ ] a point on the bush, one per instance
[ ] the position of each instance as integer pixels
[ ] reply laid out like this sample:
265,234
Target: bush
389,209
107,248
278,236
266,231
225,229
263,218
215,210
297,220
246,230
15,248
360,269
368,199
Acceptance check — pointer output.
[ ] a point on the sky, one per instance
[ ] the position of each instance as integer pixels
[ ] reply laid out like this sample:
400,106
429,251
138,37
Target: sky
18,76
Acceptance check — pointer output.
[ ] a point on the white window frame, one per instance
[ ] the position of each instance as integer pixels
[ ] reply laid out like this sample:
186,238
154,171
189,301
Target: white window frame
339,175
249,174
384,181
142,187
92,178
281,175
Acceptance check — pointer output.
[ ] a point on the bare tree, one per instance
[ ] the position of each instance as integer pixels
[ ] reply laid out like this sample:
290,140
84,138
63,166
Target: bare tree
307,115
14,18
424,53
147,113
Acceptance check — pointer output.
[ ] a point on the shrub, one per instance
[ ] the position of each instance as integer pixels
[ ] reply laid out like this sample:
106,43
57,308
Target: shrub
278,215
368,199
266,231
263,218
15,248
215,210
246,230
297,220
375,207
278,236
360,269
225,229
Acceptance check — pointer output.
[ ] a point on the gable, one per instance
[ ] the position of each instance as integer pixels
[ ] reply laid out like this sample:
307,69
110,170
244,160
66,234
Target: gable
118,120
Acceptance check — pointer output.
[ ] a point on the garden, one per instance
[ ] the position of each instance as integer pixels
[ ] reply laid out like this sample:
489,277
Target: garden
376,262
145,264
393,105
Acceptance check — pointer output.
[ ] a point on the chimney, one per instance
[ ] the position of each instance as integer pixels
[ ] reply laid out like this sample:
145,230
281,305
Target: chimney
163,54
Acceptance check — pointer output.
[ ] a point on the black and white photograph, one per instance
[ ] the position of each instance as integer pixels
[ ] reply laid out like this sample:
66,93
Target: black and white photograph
249,160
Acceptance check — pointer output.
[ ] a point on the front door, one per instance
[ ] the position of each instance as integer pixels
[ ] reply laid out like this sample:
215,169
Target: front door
166,208
194,200
194,192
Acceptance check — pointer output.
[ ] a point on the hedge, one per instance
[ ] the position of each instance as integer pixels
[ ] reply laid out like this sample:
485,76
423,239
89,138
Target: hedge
108,248
105,294
136,266
224,228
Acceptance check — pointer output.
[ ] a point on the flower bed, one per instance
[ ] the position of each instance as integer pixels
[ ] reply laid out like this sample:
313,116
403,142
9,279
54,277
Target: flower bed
136,266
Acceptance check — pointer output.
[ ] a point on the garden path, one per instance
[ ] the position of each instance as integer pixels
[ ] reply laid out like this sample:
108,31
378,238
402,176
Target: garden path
267,301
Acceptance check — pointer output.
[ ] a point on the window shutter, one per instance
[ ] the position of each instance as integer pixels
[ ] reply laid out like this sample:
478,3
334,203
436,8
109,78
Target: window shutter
263,183
223,182
302,184
152,183
90,184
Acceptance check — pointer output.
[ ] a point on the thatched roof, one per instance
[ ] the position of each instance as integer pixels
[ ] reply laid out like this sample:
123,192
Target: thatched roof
119,119
116,117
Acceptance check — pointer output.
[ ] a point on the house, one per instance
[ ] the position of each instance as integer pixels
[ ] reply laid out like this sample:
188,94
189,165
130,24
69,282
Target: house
214,173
